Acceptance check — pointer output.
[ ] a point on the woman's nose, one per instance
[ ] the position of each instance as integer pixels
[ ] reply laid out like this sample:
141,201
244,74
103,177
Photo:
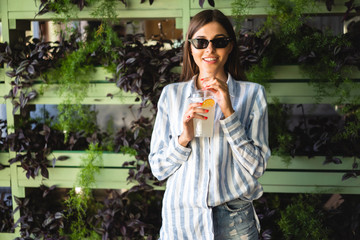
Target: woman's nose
210,47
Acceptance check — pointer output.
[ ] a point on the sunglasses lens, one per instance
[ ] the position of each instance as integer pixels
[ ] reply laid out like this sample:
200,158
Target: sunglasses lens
200,43
220,42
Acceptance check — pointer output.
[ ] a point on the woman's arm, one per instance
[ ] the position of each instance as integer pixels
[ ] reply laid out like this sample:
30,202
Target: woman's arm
250,145
166,154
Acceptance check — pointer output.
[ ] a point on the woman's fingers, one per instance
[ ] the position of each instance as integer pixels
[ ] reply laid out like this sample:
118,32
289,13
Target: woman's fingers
214,84
195,111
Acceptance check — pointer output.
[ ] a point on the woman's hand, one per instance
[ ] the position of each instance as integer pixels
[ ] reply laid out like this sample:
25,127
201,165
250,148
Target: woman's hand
221,92
193,111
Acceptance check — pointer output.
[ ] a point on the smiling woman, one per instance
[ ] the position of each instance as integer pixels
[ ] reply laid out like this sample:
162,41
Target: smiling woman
211,181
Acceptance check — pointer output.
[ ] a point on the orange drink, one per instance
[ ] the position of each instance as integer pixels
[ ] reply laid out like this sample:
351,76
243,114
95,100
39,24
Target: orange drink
204,128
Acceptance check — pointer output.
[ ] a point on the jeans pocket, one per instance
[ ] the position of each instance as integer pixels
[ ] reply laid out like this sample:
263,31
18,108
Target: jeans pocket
238,205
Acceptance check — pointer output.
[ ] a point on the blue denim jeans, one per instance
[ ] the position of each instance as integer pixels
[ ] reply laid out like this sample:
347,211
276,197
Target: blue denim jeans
235,220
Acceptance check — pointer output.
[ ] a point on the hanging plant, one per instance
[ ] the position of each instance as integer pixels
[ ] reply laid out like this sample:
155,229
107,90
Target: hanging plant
66,7
351,6
137,138
280,137
210,2
3,142
34,142
303,219
240,10
42,214
72,72
79,205
29,59
6,212
146,69
131,215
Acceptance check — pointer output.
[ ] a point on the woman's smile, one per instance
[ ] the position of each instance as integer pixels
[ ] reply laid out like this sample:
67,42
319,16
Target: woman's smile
210,60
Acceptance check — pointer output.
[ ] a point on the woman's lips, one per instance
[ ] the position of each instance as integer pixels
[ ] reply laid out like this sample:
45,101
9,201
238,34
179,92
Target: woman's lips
210,59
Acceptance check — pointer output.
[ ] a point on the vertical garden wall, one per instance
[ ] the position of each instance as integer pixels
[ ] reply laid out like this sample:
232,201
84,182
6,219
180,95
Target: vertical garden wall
96,183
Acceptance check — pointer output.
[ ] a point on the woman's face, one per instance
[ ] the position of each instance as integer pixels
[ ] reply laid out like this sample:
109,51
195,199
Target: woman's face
211,60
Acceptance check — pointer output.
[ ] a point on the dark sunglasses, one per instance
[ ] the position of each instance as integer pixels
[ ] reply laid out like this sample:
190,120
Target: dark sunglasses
201,43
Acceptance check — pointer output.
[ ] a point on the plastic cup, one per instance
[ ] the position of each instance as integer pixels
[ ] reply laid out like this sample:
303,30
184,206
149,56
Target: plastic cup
204,128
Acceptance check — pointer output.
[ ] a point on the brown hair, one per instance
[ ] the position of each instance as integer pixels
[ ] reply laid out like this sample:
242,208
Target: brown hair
232,65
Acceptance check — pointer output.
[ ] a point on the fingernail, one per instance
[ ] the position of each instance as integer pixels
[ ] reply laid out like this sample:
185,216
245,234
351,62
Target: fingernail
207,110
188,116
202,79
206,118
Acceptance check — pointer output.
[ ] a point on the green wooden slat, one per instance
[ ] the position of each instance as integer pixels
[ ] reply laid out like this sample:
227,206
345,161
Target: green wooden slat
31,5
2,75
305,163
309,189
8,236
85,15
5,177
97,94
288,72
109,159
26,9
4,158
300,92
262,6
319,182
3,92
66,178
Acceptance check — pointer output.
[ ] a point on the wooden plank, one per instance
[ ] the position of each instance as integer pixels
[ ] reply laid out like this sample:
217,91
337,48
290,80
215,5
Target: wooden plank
97,94
27,9
305,163
309,189
5,177
319,182
31,5
75,159
86,15
2,75
288,72
8,236
66,178
300,92
262,7
4,158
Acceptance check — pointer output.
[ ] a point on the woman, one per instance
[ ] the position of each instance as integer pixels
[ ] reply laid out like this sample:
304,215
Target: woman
211,182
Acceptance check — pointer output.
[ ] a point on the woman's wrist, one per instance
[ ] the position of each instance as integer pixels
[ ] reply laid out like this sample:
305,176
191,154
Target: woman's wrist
182,141
228,112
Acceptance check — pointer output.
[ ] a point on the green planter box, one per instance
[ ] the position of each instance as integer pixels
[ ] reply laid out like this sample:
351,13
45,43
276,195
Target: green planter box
309,175
98,90
27,9
112,174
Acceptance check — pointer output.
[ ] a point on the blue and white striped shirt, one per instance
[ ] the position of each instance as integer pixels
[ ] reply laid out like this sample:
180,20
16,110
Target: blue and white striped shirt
210,171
